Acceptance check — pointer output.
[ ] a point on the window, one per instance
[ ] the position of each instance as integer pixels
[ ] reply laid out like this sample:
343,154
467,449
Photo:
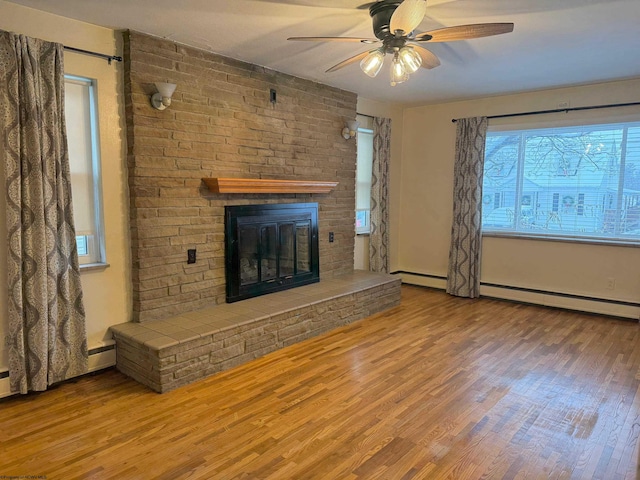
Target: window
363,174
556,202
497,200
579,182
84,161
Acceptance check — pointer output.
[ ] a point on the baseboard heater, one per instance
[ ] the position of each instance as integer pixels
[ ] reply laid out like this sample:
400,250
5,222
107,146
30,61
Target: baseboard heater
99,358
569,301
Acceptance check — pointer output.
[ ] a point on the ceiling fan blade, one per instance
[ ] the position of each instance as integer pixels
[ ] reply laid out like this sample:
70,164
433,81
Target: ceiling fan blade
348,61
335,39
465,32
429,60
408,15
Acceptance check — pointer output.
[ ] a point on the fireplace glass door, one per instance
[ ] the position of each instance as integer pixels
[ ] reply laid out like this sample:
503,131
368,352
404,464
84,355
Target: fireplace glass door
270,248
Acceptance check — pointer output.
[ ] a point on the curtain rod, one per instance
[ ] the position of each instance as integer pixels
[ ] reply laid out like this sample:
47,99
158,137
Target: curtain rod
559,110
108,58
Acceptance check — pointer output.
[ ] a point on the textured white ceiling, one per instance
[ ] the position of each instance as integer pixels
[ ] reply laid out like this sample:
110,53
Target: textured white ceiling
554,43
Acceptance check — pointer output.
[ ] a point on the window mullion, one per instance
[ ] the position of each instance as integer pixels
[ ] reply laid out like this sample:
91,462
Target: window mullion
519,181
620,199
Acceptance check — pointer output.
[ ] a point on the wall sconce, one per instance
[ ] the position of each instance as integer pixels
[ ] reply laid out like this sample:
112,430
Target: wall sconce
350,130
162,99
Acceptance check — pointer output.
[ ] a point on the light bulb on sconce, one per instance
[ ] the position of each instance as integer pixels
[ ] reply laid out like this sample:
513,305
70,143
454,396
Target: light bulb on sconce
350,130
162,99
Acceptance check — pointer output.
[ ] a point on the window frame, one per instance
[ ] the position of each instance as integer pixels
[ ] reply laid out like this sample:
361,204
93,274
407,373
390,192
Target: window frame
616,238
94,241
366,228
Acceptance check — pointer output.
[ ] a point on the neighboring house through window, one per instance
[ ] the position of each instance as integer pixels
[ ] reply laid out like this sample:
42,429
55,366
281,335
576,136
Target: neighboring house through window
81,118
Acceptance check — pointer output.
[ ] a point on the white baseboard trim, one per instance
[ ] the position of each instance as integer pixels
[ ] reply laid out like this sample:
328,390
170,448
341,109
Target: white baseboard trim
599,306
104,357
547,299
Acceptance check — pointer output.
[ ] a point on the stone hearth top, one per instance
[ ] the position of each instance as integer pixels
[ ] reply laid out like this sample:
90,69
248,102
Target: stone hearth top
161,334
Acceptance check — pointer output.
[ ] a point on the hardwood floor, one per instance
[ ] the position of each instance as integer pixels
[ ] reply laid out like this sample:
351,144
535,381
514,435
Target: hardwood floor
437,388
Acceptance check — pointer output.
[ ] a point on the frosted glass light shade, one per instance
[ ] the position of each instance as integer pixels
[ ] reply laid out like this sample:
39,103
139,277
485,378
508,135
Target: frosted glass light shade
162,99
166,89
350,130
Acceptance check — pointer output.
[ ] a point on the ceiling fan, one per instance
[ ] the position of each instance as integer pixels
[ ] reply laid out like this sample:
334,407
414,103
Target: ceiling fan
394,22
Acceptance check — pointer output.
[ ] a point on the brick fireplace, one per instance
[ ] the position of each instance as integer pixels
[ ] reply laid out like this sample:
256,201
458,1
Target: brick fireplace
221,123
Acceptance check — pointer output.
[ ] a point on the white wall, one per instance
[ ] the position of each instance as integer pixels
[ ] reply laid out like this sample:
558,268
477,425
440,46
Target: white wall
394,112
107,292
426,197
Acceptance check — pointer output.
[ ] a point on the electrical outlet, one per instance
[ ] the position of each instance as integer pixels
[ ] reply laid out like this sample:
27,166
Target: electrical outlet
564,104
331,238
611,283
191,255
7,341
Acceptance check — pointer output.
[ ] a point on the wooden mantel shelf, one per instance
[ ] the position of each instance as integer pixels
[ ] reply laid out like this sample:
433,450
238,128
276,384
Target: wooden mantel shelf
259,185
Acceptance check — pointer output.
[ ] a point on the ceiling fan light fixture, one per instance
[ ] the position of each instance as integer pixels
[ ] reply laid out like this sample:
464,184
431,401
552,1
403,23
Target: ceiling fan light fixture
372,63
394,25
398,72
410,59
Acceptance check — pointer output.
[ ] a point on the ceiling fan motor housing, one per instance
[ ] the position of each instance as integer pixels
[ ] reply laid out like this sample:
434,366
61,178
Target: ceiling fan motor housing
381,13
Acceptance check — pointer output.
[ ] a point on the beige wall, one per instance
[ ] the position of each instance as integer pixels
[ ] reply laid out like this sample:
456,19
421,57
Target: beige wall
107,291
394,112
426,199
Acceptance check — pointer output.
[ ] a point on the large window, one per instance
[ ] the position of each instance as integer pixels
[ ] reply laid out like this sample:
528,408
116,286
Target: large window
580,182
82,138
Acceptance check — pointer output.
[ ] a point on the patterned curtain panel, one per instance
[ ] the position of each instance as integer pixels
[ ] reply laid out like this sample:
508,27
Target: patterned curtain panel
463,278
379,236
47,338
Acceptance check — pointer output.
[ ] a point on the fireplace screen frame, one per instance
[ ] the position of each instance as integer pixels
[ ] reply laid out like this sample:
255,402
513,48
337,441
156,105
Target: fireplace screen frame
270,216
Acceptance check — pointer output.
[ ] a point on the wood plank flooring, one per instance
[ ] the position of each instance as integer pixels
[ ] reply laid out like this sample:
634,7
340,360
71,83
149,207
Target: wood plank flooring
437,388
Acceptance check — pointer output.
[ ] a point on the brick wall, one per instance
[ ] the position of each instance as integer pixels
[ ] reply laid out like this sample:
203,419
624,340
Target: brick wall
221,123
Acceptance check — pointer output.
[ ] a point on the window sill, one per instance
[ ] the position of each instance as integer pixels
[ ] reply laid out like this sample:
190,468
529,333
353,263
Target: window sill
91,267
564,239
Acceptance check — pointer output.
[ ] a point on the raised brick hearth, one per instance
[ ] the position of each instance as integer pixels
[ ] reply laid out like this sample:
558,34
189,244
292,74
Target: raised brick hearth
166,354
